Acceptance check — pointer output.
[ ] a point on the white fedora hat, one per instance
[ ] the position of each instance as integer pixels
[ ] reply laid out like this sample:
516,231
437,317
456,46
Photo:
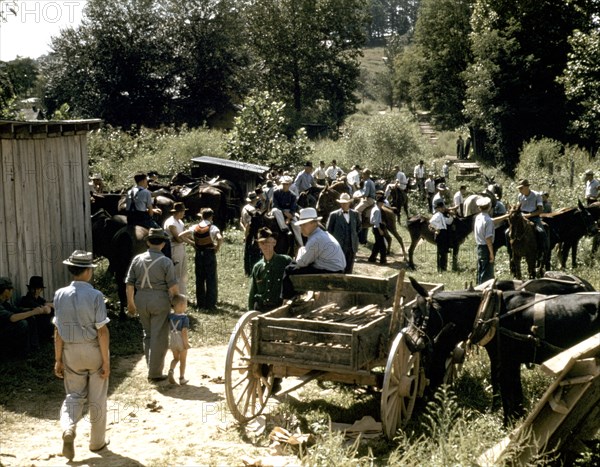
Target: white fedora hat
307,215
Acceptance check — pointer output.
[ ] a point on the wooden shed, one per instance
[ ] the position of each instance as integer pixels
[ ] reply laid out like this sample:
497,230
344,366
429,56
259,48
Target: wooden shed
246,176
44,199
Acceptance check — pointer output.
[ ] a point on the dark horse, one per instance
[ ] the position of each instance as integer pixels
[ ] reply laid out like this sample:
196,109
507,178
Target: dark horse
524,243
118,242
285,243
418,228
523,328
567,227
398,201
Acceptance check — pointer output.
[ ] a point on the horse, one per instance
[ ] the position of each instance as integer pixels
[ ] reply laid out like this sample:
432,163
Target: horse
285,243
118,242
327,203
567,227
418,228
399,201
493,187
520,327
523,243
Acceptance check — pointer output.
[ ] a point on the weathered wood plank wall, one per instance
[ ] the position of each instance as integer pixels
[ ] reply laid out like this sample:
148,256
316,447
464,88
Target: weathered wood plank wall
45,203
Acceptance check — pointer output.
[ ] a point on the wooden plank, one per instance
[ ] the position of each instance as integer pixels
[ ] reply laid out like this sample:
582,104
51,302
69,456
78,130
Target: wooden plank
344,282
277,334
307,354
364,378
369,343
585,349
578,419
305,325
29,177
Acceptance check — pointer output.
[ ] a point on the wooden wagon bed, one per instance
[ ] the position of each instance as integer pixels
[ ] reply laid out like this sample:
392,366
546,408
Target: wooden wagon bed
342,328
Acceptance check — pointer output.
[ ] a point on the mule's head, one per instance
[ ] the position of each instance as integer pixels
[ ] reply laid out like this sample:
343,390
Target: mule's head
588,219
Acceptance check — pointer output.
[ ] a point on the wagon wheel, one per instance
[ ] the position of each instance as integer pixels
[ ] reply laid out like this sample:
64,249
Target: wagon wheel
247,385
400,386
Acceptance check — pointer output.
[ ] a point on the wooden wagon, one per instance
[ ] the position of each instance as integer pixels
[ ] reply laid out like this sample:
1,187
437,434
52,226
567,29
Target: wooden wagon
345,328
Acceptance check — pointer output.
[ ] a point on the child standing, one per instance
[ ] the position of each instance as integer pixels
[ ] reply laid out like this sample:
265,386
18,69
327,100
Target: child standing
180,321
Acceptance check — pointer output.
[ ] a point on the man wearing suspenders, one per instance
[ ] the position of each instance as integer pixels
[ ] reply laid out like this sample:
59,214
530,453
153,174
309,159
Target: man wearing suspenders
207,239
151,281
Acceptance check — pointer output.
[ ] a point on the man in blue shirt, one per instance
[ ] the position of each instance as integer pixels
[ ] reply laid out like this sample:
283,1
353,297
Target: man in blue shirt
81,351
321,254
368,192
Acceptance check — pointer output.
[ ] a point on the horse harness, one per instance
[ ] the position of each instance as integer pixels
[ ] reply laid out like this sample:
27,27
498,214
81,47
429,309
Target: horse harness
488,321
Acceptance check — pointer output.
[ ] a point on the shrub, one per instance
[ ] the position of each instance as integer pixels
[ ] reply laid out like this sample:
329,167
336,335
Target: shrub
551,166
117,154
384,141
258,134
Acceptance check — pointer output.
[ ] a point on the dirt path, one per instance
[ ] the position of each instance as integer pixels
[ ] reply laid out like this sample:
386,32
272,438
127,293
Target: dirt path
148,425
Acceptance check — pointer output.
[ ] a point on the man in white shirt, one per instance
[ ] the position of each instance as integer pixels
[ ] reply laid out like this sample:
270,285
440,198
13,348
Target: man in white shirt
429,186
333,171
419,174
401,177
320,174
439,195
439,223
353,178
459,198
484,231
591,187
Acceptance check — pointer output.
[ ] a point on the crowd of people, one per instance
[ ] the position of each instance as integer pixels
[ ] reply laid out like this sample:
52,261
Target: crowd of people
76,320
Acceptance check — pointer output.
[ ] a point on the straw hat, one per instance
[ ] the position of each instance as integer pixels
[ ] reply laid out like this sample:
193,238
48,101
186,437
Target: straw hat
307,215
81,258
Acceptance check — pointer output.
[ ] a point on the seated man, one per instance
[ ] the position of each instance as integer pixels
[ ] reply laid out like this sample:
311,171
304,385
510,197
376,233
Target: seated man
321,254
267,274
139,204
15,332
532,205
42,322
284,208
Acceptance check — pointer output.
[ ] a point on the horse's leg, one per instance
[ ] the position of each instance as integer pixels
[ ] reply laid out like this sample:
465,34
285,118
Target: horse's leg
388,239
531,260
516,265
574,246
455,249
510,385
492,350
399,238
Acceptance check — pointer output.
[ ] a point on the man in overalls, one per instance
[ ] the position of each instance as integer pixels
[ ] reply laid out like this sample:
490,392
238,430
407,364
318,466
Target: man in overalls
151,281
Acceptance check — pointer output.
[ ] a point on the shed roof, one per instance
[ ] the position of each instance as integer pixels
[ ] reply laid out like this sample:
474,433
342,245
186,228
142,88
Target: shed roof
43,128
238,165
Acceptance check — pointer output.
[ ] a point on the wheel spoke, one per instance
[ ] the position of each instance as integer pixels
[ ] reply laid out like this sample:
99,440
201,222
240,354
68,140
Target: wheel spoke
248,393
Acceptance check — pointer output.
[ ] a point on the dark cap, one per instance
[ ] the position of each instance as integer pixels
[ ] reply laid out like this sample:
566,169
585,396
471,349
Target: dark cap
179,207
308,164
523,182
156,234
5,283
264,233
438,203
36,282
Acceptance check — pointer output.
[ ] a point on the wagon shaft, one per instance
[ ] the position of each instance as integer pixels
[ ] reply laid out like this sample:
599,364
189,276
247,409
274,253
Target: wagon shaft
568,410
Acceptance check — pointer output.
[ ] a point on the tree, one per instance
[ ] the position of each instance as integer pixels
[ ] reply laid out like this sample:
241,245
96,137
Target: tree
7,93
307,52
148,62
442,54
384,141
23,74
209,57
581,80
115,65
519,48
259,134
